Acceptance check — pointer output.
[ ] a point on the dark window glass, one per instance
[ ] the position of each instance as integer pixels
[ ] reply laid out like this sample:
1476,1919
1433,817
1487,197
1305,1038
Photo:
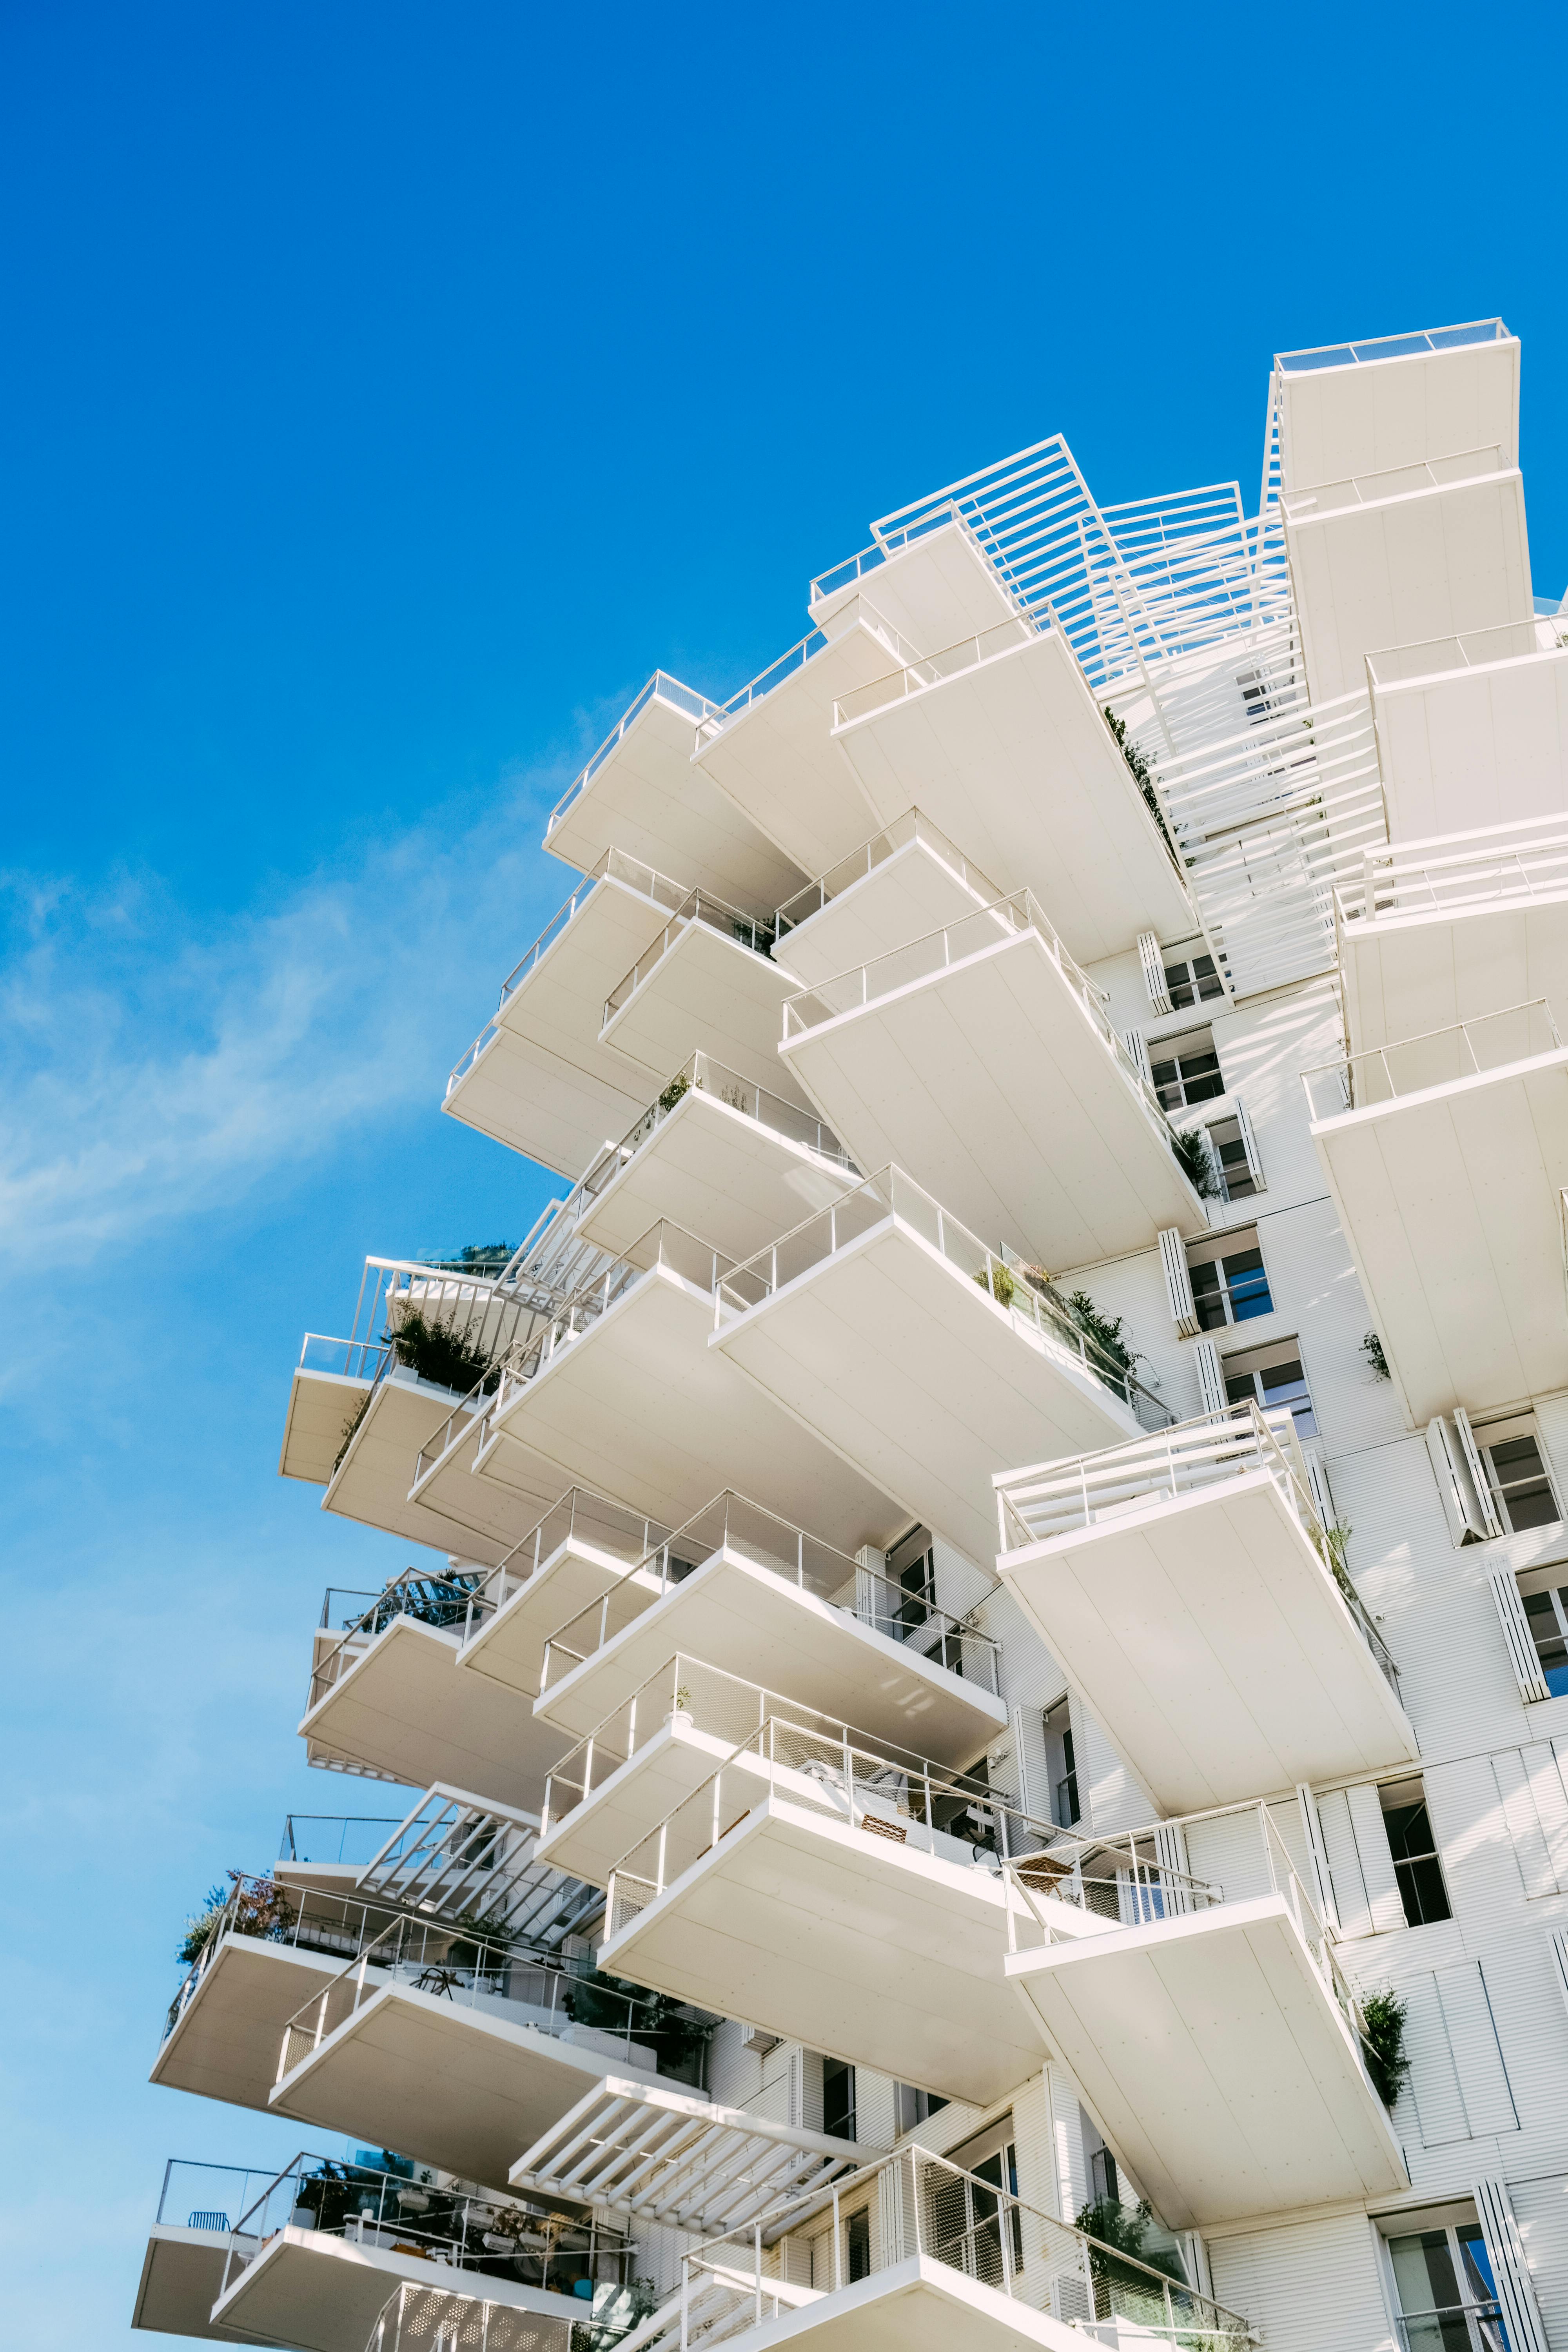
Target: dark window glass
1237,1176
1285,1385
837,2099
918,1582
1191,1078
1068,1809
1102,2175
1192,984
1230,1289
1551,1648
1415,1864
1520,1483
857,2245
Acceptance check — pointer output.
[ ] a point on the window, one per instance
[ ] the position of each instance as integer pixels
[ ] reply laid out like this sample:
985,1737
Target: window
1520,1490
857,2245
917,1581
837,2099
1229,1284
1415,1851
1447,2298
1185,1070
1273,1380
1104,2186
969,2214
912,2106
1061,1764
1546,1607
1224,1134
1193,982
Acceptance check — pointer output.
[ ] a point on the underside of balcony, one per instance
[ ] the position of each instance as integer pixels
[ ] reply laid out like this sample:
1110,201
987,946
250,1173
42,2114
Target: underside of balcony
1013,757
941,587
492,1515
1217,2063
1474,723
1211,1645
313,2290
323,1407
509,1646
371,1480
910,886
914,2305
226,2044
1409,969
868,1949
181,2272
991,1076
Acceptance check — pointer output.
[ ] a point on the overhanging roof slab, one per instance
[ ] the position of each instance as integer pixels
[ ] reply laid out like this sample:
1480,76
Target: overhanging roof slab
903,1365
452,2086
990,1076
321,1408
638,1407
1450,1201
1212,1646
877,1953
1216,2062
320,2293
371,1483
751,1622
404,1709
225,2045
909,894
1014,759
713,1170
711,993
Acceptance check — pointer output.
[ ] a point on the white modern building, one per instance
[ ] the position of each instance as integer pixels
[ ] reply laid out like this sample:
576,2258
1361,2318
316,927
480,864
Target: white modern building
919,1789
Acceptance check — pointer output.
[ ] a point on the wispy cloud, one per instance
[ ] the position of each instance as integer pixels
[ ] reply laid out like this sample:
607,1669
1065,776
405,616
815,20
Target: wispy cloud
155,1065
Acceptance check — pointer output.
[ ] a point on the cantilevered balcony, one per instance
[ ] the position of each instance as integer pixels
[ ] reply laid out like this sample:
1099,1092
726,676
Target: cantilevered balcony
640,791
1454,928
714,1153
584,1553
622,1393
1188,1588
675,1730
454,2048
538,1076
386,1699
982,1055
707,978
770,748
1410,552
188,2245
1396,400
868,1920
935,584
1001,740
427,2319
1446,1156
888,1328
1477,721
755,1597
1212,2031
914,2254
906,881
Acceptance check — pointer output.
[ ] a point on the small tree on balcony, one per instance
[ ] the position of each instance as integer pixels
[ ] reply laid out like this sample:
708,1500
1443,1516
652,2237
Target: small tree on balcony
1123,2228
1383,2041
444,1357
1195,1159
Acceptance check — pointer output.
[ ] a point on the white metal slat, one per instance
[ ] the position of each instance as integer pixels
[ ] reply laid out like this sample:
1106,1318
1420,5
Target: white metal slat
1434,2090
1477,2054
1249,1146
1479,1479
1517,1637
1529,1848
1178,1283
1511,2269
1465,1525
1153,964
1210,1377
1376,1861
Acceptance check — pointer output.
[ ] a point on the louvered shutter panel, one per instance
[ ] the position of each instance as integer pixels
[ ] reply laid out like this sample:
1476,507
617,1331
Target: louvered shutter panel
1250,1145
1557,1943
1178,1284
1510,2271
1351,1903
1516,1634
1211,1379
1136,1045
1312,1830
1472,1453
1153,964
1171,1854
1464,1523
1376,1861
1318,1485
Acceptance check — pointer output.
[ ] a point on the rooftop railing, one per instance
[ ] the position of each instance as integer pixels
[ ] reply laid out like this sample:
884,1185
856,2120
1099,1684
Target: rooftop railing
732,1523
1392,482
713,913
616,865
891,1196
1391,347
1489,1043
1509,641
1501,866
683,699
440,1602
334,1617
909,827
352,1840
700,1074
969,653
917,2204
581,1517
1038,1505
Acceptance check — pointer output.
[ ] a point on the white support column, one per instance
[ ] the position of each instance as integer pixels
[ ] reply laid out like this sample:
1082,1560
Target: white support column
1178,1283
1515,2289
1516,1636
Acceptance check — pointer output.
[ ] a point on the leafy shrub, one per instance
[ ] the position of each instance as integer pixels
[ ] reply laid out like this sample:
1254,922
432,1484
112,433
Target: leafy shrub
1371,1348
1105,1333
998,1281
257,1906
679,1085
1124,2227
1141,777
1196,1162
441,1356
1384,2015
607,2004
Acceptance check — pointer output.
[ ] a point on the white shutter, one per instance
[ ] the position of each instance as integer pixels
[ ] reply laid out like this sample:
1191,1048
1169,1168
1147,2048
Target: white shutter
1558,1944
1535,1807
1250,1145
1376,1861
1178,1284
1136,1045
1321,1888
1465,1522
1516,1636
1211,1379
1351,1905
1171,1854
1153,964
872,1602
1472,1454
1510,2271
1477,2054
1318,1485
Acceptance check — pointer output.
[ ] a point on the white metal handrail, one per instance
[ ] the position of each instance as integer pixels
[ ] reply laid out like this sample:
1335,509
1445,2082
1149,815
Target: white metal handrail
1390,347
701,1073
699,907
806,648
1518,1034
438,1600
1392,482
1506,641
580,1516
912,826
665,1245
683,699
1495,865
968,653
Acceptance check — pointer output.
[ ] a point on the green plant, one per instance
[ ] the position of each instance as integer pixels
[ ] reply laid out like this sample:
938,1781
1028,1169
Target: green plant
1383,2039
1105,1332
996,1279
1196,1162
1141,777
612,2006
1371,1348
350,1427
442,1356
682,1699
1331,1548
246,1906
201,1925
679,1085
1123,2228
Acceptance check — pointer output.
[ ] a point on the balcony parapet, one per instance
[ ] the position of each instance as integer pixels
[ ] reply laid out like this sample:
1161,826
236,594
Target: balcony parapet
441,1601
756,932
664,1246
624,1539
913,826
1391,347
683,699
1509,641
715,722
930,669
1486,1045
1321,498
1496,866
702,1074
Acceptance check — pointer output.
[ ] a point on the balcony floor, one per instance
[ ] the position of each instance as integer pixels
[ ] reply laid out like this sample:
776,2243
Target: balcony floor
1450,1202
508,1647
712,994
875,1952
988,1077
321,2293
404,1710
1014,760
182,2271
370,1483
226,2045
1212,1646
913,892
716,1171
640,1409
1217,2063
452,2086
919,1379
320,1407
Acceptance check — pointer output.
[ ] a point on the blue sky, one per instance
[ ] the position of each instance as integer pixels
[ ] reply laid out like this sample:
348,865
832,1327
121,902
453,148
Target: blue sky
389,391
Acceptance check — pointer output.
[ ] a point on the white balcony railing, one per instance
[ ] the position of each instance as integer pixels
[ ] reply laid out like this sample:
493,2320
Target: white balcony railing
1501,865
916,2204
1058,1498
441,1601
580,1517
892,1196
1489,1043
969,653
714,722
1509,641
733,1522
1392,482
684,698
713,913
909,827
1391,347
702,1074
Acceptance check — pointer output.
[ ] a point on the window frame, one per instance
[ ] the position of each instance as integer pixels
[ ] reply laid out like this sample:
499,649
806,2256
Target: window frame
1412,1790
1509,1429
1228,1241
1243,1363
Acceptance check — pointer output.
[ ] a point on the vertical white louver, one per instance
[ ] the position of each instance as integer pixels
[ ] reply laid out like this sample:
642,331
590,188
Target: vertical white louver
1516,1634
1462,1511
1179,1286
871,1605
1510,2271
1472,1453
1153,964
1171,1857
1558,1944
1211,1379
1318,1485
1250,1145
1312,1829
1377,1873
1136,1045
